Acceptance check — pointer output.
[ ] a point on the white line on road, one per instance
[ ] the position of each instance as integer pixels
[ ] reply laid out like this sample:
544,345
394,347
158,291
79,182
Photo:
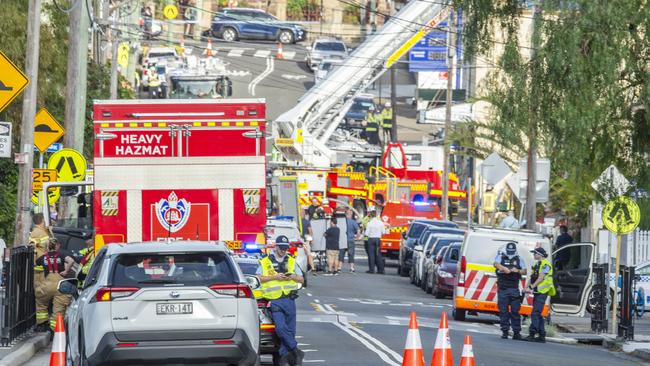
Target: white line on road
236,52
312,361
288,55
262,53
363,341
269,69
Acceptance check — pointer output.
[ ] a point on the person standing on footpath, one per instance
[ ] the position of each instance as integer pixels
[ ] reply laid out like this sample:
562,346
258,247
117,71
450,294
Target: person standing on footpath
56,266
510,267
39,238
374,230
307,236
562,258
332,237
281,279
351,233
541,283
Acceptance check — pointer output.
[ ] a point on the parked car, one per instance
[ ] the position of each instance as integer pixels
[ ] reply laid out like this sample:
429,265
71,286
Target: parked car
159,55
139,299
324,68
269,340
358,111
424,228
441,277
325,49
423,255
232,24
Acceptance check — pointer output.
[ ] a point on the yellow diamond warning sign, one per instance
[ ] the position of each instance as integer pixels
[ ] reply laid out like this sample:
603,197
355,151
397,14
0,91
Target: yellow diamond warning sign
12,81
46,130
621,215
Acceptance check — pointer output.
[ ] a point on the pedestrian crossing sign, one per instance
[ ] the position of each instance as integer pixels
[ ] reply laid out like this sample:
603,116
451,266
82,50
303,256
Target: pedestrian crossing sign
69,164
621,215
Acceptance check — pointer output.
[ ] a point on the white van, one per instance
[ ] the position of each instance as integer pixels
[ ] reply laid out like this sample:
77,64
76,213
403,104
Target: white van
476,285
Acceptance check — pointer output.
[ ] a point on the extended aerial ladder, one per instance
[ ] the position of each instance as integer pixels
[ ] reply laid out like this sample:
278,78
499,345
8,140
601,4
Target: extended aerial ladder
304,134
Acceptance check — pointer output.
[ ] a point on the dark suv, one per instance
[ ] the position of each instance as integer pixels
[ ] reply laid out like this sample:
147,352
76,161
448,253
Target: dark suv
417,234
232,24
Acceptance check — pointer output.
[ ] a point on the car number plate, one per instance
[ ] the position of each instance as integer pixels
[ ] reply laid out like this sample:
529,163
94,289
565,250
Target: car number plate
174,308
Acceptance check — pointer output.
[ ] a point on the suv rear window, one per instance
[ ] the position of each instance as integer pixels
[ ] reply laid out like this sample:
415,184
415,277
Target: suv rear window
416,230
188,269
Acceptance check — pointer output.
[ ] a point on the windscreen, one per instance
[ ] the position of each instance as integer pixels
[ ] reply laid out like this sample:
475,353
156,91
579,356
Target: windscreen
330,46
361,104
443,243
483,250
248,268
191,89
195,269
169,54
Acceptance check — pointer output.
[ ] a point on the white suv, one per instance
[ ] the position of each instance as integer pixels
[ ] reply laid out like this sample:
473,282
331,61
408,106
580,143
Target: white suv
166,302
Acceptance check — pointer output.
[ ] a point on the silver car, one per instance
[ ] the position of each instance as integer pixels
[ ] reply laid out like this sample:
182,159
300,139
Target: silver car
325,48
163,302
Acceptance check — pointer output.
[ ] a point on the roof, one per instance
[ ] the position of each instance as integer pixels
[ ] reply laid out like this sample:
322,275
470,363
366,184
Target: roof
167,247
440,223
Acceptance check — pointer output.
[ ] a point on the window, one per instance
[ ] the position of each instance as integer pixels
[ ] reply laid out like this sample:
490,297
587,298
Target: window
579,258
248,268
94,272
189,269
413,159
644,271
258,15
330,46
416,230
454,254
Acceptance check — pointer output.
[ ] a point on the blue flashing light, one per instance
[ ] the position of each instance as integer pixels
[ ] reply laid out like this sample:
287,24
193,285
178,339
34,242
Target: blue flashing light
421,203
253,247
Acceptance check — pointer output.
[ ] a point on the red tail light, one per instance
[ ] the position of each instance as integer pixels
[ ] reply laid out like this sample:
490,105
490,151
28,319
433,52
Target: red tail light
224,341
123,344
463,268
262,303
144,72
240,290
112,293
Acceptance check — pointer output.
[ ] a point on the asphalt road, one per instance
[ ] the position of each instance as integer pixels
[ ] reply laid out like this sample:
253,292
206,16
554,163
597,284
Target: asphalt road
362,320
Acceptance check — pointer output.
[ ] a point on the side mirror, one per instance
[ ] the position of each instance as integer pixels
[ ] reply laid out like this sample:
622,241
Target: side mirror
404,234
427,253
69,287
418,248
253,282
438,259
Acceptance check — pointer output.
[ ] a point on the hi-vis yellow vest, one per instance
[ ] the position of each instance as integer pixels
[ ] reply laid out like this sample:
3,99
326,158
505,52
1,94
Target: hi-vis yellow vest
546,286
489,201
273,290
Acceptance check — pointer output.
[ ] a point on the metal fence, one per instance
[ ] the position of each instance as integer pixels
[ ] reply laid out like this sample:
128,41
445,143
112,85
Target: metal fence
18,305
641,240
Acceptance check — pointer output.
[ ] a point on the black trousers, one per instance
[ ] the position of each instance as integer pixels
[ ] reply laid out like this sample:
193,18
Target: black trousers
374,255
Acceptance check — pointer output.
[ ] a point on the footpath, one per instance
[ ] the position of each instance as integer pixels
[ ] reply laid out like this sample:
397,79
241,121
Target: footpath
579,329
23,350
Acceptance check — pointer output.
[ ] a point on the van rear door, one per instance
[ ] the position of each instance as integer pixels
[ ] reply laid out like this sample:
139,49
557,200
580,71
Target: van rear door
572,275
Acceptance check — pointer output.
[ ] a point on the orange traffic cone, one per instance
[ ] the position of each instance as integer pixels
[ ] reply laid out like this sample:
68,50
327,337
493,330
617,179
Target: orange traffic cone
413,353
57,357
442,351
208,52
279,55
182,47
467,359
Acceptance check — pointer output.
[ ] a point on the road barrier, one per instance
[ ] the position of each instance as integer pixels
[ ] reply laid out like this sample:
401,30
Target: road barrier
18,305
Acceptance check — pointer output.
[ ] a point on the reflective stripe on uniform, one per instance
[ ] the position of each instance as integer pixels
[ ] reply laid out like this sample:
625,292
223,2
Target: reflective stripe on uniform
41,316
546,286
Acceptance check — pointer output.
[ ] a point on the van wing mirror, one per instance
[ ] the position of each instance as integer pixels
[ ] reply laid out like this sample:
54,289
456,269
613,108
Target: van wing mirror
253,282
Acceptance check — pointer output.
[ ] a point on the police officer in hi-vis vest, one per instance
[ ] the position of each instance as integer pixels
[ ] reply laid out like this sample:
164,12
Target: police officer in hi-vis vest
510,267
281,279
541,283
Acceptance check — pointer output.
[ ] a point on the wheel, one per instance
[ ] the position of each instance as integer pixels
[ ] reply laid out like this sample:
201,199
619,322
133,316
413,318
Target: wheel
594,294
423,281
412,278
458,315
427,288
438,294
285,36
229,35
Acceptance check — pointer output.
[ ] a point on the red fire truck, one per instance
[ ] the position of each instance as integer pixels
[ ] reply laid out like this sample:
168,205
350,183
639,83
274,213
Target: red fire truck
179,170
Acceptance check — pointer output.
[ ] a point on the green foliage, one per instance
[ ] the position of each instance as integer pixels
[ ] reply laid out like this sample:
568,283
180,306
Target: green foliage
586,94
51,88
296,8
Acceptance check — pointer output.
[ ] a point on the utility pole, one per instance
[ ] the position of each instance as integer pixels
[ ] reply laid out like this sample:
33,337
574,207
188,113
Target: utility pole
450,89
531,171
24,196
75,96
113,81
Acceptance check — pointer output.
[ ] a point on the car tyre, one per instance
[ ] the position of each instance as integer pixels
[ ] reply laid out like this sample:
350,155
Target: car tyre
403,271
229,35
427,288
412,278
423,281
285,36
459,315
438,294
276,359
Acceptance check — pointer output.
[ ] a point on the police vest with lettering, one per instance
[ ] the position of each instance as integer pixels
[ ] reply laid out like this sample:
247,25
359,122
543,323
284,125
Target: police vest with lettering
273,290
509,280
546,286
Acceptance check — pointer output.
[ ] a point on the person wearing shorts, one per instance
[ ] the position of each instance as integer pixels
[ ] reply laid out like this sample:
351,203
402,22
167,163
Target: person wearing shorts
332,247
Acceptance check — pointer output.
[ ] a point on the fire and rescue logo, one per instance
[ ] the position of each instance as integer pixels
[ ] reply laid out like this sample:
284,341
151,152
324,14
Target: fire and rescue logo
173,213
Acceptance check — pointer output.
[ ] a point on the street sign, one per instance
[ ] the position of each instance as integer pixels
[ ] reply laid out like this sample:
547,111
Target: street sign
40,176
621,215
12,81
519,182
46,130
5,140
444,14
69,164
52,148
123,55
611,183
493,169
53,195
170,12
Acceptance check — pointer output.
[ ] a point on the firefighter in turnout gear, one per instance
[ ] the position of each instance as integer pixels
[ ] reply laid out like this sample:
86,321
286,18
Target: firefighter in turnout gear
86,261
541,283
281,279
387,122
489,205
372,126
39,238
509,268
56,266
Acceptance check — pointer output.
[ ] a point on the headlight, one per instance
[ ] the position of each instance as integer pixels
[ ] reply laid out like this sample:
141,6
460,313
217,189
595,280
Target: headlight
444,274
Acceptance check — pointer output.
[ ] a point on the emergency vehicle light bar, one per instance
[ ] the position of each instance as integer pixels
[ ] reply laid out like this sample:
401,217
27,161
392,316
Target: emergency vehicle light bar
205,114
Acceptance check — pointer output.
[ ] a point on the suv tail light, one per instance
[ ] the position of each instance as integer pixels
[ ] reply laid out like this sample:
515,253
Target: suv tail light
239,290
463,268
112,293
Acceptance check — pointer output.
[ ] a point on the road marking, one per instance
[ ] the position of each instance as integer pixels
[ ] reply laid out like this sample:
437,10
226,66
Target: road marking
269,69
288,55
262,53
293,77
312,361
236,52
373,348
309,294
